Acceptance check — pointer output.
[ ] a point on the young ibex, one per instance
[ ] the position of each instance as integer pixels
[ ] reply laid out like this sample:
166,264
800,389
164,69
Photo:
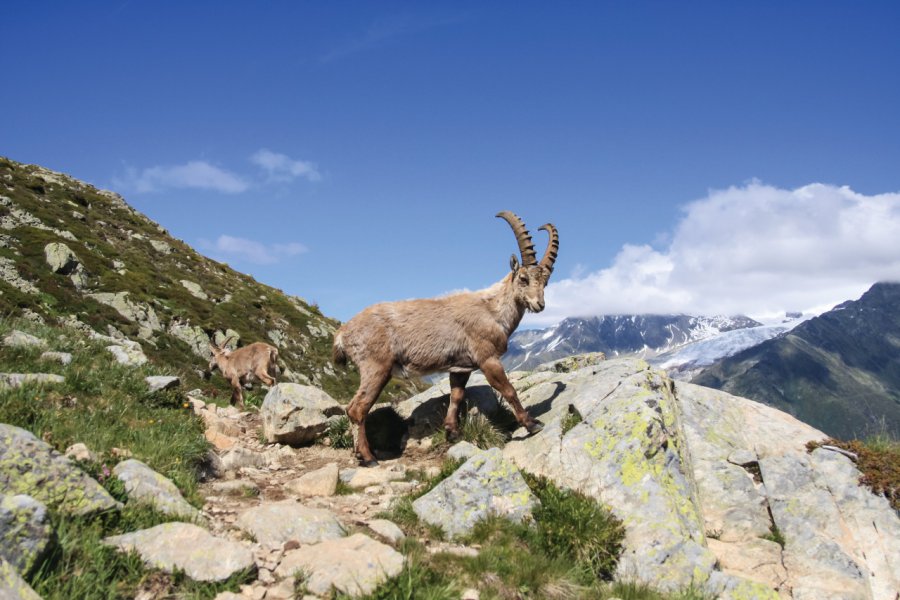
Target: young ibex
236,366
456,334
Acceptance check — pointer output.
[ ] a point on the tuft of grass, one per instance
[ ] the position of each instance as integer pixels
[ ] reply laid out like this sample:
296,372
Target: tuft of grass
572,419
477,429
775,535
878,459
339,433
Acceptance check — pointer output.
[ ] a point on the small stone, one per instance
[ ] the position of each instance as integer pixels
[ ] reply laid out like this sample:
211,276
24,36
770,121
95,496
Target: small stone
63,358
157,383
79,452
386,529
463,451
265,576
20,339
237,487
121,452
470,594
283,590
321,482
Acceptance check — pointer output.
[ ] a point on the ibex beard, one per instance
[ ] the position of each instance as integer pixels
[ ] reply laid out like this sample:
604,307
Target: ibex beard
454,334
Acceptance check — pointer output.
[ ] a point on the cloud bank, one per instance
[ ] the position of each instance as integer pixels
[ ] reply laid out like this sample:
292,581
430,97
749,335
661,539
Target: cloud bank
228,248
756,250
196,174
282,168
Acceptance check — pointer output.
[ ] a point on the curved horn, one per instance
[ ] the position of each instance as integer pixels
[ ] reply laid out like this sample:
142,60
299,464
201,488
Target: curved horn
526,248
552,247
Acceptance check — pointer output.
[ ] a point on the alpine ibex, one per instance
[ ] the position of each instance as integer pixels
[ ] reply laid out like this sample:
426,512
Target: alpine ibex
456,334
237,365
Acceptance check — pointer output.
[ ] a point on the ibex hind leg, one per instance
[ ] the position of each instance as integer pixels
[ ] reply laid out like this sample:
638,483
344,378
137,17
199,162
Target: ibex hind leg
457,397
370,386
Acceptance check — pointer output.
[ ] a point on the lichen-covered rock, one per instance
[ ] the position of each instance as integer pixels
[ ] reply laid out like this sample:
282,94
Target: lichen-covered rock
485,485
20,339
30,466
278,522
297,414
463,451
572,363
194,337
25,532
156,383
12,586
355,565
144,485
16,380
188,548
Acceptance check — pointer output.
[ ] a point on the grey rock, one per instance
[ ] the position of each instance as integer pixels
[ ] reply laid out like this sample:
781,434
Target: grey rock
355,565
321,482
194,337
275,523
194,289
240,458
128,354
79,451
236,487
145,486
485,485
20,339
63,261
10,274
161,246
297,414
137,312
30,466
25,532
386,529
12,586
186,547
428,409
157,383
463,451
572,363
63,358
16,380
362,478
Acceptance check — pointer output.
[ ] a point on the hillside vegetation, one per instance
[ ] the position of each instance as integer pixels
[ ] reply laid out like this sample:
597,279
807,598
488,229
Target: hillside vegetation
71,253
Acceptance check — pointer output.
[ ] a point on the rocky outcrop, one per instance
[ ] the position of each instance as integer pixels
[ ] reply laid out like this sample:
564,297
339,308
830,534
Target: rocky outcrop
137,312
297,414
128,353
63,261
486,485
701,479
188,548
146,486
30,466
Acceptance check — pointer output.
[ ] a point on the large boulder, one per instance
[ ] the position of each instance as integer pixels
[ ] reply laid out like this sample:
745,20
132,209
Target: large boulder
297,414
145,486
188,548
62,260
355,565
25,532
30,466
485,485
275,523
701,478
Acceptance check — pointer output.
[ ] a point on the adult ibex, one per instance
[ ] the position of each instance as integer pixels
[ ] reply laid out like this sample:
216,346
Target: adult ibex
237,366
456,334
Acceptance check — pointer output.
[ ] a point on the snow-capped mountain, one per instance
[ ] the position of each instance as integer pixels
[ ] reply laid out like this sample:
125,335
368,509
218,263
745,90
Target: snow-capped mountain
686,361
616,335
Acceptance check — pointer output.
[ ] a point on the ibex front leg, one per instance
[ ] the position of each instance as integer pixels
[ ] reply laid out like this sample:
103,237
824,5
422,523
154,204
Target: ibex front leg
496,376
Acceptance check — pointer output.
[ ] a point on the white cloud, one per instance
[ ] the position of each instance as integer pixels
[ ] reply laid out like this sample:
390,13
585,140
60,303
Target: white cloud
755,249
227,248
196,174
279,167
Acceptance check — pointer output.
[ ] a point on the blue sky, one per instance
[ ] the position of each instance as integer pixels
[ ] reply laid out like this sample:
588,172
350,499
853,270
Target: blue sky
703,157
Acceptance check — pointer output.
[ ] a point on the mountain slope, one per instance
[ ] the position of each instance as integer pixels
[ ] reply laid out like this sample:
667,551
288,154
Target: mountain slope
839,372
73,254
615,335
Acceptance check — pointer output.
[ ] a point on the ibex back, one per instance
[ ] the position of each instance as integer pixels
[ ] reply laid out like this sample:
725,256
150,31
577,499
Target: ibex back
456,334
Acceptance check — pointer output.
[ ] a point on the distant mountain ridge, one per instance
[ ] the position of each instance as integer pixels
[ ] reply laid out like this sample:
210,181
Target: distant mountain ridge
839,372
644,335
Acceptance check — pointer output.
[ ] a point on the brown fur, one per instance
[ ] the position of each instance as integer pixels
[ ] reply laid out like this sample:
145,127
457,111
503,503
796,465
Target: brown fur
237,366
456,334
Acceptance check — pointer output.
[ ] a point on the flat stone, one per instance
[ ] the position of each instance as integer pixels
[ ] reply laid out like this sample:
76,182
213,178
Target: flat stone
128,354
186,547
236,487
355,565
275,523
463,451
157,383
365,477
144,485
321,482
386,529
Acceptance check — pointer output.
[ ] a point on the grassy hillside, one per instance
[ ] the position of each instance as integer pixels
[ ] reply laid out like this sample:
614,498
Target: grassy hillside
839,372
176,298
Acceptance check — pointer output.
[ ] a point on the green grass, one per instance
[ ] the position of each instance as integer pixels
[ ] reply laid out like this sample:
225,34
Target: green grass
339,433
105,406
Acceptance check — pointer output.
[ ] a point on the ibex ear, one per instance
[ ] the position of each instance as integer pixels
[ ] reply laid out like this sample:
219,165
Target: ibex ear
513,263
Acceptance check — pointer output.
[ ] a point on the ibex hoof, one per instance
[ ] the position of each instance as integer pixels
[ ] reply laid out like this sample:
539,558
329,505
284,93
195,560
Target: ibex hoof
452,434
368,463
534,427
